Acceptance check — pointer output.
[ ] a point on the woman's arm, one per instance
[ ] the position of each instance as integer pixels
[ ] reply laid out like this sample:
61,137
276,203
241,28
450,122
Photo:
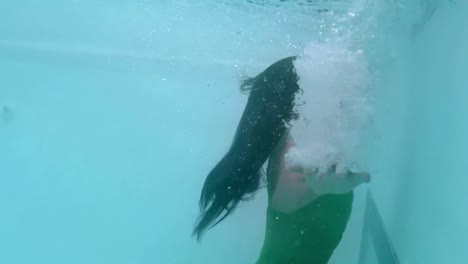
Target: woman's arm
297,186
333,182
328,182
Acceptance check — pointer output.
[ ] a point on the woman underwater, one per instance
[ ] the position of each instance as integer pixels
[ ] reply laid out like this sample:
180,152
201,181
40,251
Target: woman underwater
304,225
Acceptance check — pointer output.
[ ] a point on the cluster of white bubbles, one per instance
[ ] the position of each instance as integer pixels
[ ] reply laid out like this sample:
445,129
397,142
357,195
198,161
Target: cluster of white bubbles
333,106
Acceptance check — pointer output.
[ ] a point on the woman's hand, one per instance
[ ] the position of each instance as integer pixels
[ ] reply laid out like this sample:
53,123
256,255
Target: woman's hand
333,182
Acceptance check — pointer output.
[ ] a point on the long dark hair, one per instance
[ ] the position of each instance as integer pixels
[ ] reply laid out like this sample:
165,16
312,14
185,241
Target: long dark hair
269,109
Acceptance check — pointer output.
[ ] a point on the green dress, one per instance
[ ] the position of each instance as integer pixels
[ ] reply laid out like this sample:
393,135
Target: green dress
308,235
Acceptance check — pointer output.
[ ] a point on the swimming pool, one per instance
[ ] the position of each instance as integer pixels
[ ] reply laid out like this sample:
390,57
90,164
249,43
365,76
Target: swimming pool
112,113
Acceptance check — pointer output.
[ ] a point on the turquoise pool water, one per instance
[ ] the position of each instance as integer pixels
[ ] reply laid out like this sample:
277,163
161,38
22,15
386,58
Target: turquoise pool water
112,113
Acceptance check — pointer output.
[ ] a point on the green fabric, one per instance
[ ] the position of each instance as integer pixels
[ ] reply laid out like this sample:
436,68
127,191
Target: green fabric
309,235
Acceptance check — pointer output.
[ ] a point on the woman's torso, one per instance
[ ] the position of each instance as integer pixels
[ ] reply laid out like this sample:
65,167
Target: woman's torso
301,228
